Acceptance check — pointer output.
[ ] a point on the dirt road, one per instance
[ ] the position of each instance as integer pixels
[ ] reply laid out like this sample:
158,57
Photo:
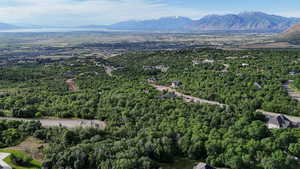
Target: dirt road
68,123
294,94
72,85
187,98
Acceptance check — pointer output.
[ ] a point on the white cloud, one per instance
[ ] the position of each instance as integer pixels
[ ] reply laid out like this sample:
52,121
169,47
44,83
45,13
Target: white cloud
290,14
82,12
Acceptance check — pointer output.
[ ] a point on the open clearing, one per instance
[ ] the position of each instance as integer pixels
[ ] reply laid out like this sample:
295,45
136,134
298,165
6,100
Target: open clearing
72,85
31,146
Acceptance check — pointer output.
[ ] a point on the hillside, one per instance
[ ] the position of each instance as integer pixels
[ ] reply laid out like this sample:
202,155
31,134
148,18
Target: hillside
4,26
247,21
251,21
291,35
162,24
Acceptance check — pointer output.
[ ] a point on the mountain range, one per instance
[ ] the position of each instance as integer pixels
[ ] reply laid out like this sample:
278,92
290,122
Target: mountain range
4,26
291,35
246,21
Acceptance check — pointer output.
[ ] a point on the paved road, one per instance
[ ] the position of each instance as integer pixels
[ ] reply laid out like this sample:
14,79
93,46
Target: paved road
271,114
68,123
294,94
2,163
187,98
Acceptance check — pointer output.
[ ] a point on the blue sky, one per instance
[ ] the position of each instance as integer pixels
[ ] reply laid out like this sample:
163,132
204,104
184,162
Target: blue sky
85,12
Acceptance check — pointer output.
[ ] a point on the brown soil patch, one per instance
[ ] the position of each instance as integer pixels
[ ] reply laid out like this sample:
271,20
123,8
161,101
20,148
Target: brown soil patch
31,146
72,85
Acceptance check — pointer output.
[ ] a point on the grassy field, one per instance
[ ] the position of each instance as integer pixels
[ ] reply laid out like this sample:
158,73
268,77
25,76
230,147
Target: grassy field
34,164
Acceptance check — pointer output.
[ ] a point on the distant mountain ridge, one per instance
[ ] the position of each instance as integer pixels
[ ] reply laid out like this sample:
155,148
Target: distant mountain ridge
4,26
251,21
166,23
246,21
242,22
292,35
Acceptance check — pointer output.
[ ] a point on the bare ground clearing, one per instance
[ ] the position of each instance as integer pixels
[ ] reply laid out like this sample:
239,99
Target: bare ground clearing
32,146
72,85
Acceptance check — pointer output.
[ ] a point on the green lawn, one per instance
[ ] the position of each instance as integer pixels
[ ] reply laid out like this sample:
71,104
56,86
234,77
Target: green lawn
34,164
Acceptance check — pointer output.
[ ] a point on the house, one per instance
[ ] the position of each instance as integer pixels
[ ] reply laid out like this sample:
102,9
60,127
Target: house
176,84
258,86
162,68
203,166
196,62
152,80
121,69
71,74
279,121
208,61
148,68
245,64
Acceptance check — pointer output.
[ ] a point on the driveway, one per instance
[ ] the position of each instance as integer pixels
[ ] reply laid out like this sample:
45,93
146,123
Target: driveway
2,163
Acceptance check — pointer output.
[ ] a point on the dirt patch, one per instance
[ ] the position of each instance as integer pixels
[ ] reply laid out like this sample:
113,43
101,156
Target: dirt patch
72,85
31,146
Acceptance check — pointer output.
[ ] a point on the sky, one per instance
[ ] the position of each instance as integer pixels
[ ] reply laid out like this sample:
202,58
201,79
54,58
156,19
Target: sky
103,12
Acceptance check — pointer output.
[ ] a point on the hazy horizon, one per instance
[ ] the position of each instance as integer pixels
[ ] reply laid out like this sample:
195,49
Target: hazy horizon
105,12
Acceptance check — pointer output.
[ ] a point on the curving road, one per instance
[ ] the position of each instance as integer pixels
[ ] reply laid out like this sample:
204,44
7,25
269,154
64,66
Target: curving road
271,114
187,98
